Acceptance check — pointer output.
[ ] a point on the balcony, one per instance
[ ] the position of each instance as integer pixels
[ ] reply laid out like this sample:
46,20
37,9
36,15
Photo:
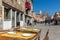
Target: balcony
14,3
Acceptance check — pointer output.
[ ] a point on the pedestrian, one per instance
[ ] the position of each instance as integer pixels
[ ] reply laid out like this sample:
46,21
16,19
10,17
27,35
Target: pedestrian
28,22
35,22
48,20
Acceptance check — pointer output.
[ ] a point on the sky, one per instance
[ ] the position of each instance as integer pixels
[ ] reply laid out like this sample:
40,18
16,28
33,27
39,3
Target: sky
50,6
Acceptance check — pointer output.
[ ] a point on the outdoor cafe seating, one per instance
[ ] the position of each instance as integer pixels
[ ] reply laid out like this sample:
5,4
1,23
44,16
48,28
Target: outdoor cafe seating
29,30
29,34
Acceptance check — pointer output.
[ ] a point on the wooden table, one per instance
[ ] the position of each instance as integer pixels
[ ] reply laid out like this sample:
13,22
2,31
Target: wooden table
29,30
17,36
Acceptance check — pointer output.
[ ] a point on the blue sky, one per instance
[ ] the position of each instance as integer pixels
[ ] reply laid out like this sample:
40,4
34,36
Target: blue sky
50,6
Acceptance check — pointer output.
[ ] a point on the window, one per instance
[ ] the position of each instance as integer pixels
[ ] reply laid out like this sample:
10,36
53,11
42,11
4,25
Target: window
21,16
59,14
6,14
28,0
18,1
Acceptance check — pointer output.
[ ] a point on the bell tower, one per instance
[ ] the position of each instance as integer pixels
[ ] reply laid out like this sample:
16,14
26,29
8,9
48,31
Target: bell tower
40,12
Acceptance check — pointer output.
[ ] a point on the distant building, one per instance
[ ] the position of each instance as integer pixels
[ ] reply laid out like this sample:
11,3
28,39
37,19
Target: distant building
39,17
29,9
57,17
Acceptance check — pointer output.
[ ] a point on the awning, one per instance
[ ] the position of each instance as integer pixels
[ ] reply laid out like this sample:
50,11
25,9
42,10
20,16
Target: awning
27,5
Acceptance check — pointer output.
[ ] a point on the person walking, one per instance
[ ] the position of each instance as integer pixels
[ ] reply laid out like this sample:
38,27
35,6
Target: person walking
48,20
45,20
28,22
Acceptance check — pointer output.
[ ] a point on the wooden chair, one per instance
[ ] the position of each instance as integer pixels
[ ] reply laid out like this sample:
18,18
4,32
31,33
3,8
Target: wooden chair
46,36
4,30
7,38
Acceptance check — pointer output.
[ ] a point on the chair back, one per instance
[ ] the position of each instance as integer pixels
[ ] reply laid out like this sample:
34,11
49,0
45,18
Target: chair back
46,36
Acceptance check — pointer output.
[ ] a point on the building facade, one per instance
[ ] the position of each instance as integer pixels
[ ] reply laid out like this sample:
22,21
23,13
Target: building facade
0,12
29,8
39,17
56,18
12,13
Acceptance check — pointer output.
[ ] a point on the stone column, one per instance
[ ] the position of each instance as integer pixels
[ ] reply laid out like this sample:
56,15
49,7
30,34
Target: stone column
2,15
15,18
0,10
24,18
19,17
11,16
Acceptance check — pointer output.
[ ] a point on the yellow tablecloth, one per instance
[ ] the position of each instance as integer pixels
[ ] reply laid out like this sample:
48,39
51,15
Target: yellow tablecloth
18,35
29,30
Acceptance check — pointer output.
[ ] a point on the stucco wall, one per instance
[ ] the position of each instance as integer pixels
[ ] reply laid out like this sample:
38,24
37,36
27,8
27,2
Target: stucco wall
0,14
16,4
0,8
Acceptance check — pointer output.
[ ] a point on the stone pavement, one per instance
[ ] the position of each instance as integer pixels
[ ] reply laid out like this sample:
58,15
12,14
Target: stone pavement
54,31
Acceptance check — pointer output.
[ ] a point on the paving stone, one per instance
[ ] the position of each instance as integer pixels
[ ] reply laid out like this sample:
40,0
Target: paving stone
54,31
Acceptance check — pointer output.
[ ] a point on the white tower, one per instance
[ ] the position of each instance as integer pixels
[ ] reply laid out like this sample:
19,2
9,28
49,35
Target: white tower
40,12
